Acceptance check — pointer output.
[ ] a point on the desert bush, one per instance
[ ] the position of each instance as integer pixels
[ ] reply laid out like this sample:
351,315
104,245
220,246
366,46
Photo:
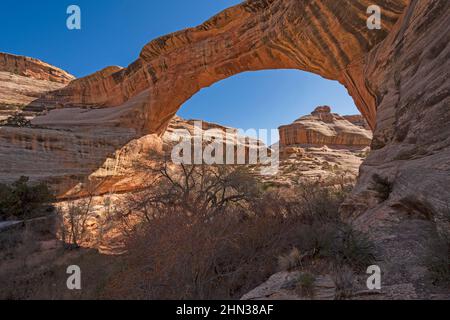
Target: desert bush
320,201
21,200
207,232
16,120
195,190
321,234
73,221
343,279
353,248
184,257
338,243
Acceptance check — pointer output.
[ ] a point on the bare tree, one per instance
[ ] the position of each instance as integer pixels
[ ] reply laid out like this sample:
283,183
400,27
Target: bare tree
74,218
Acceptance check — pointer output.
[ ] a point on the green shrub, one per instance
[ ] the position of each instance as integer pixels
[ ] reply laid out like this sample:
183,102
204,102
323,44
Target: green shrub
20,200
337,243
343,279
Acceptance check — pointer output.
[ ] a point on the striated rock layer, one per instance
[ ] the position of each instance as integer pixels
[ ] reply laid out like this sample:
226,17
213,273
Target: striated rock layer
402,196
33,68
324,128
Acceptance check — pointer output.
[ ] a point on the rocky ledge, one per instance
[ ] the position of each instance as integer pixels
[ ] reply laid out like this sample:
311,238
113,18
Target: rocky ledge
23,80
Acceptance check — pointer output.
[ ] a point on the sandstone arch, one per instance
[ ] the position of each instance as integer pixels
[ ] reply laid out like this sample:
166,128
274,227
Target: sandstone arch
398,77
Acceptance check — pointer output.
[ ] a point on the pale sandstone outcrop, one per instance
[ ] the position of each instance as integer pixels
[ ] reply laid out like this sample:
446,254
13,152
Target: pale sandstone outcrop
127,170
324,128
66,148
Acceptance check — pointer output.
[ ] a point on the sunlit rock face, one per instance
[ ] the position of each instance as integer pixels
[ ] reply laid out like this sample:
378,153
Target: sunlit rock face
322,127
397,76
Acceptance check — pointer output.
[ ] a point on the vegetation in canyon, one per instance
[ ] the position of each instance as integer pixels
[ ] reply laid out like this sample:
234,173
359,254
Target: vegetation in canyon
22,200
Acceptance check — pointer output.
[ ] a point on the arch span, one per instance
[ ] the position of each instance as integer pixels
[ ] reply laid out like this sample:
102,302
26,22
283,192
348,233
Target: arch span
398,78
326,37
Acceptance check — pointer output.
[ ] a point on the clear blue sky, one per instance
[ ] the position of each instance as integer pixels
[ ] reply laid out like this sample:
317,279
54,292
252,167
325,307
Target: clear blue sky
114,32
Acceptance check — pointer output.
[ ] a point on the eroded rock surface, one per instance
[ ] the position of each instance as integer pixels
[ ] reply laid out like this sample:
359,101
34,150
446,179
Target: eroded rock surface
283,286
323,36
23,80
398,77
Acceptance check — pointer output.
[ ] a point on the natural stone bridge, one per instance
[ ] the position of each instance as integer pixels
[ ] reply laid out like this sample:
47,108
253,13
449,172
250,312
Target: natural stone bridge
398,77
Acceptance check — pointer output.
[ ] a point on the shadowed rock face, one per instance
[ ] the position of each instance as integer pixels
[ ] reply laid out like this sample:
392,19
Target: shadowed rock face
324,128
397,76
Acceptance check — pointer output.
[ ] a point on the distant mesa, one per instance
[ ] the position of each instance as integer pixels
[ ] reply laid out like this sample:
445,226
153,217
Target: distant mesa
322,127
